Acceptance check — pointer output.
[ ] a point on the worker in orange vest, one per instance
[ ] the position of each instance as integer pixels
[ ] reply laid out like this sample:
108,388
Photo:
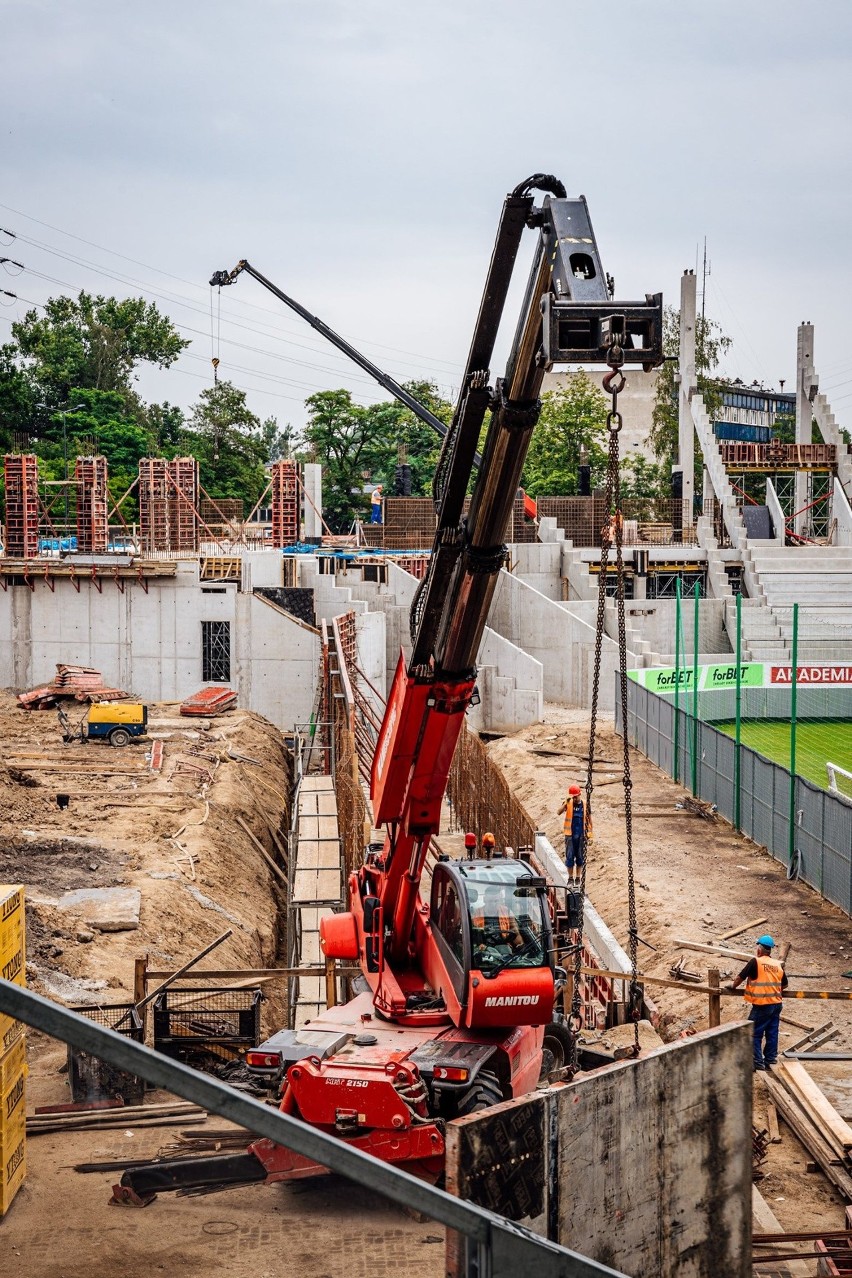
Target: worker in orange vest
576,827
493,923
765,979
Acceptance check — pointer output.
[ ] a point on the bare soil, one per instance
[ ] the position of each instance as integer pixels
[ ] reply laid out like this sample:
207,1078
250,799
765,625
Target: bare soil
695,881
127,826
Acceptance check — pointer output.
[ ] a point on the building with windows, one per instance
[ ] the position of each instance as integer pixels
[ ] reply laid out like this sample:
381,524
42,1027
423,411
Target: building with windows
753,414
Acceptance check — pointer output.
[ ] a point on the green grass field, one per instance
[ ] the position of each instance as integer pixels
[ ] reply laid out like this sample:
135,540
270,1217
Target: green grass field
817,741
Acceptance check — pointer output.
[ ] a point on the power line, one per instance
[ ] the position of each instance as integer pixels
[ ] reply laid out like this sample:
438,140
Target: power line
427,361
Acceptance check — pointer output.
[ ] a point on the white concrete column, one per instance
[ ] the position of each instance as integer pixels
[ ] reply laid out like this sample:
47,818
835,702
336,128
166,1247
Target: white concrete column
312,483
687,388
804,413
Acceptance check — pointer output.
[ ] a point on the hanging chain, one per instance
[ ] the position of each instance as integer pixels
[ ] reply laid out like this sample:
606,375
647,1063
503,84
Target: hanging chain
611,535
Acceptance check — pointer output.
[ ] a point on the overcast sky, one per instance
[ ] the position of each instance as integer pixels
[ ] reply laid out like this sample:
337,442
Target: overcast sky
358,154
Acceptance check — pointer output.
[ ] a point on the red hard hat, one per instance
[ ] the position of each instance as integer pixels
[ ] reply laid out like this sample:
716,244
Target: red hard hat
574,789
470,840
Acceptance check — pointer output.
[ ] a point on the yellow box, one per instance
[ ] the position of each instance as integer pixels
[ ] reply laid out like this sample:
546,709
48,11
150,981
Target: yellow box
13,1141
118,712
13,1063
13,1170
12,928
14,1101
10,1031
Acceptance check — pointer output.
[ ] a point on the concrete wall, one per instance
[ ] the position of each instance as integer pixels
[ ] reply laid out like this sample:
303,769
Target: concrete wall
511,687
655,621
539,564
644,1166
560,636
842,513
150,644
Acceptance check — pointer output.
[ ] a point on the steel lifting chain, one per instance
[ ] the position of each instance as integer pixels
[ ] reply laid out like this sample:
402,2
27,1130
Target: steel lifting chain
611,535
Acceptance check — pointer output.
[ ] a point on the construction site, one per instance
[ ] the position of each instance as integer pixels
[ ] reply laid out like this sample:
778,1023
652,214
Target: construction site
297,979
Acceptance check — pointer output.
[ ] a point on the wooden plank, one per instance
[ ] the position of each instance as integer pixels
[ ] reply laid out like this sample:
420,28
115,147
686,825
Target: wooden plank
740,955
813,1142
772,1123
737,931
837,1130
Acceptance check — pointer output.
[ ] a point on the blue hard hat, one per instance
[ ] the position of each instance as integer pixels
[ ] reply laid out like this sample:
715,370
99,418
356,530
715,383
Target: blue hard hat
766,940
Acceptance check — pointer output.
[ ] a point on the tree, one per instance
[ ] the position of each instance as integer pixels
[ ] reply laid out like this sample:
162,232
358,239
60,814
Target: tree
710,344
573,417
350,442
409,438
643,481
94,342
230,442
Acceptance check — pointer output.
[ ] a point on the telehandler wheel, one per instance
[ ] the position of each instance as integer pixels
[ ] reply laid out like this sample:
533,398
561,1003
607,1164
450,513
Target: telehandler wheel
119,737
484,1092
556,1047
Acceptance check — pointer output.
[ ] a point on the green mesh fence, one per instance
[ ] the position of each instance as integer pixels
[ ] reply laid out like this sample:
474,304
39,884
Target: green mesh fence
785,693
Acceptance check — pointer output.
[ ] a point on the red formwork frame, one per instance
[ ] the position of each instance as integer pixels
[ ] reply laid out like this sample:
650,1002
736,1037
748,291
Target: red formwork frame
90,474
21,528
285,503
168,503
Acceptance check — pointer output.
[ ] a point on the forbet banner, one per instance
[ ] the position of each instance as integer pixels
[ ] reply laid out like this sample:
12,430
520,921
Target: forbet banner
753,674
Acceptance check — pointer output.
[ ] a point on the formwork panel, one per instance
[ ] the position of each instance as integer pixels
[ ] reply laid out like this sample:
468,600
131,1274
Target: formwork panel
21,528
90,475
168,503
285,503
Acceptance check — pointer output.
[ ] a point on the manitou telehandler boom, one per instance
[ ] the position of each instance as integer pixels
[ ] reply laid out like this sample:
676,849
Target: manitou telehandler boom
461,987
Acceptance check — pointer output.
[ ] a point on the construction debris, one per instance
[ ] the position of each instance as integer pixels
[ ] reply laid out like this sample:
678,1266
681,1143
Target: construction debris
814,1120
77,683
208,702
759,1146
707,811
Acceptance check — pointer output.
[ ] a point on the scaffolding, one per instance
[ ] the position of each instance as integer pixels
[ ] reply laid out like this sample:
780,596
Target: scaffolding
168,503
21,529
285,504
90,475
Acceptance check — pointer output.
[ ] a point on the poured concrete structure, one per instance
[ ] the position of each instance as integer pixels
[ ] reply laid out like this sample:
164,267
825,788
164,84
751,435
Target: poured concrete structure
643,1165
149,642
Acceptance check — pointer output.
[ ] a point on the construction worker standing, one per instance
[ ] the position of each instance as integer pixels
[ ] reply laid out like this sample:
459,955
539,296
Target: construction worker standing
765,979
576,827
376,505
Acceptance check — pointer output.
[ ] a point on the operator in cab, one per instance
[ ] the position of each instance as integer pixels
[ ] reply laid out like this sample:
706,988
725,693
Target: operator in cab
493,923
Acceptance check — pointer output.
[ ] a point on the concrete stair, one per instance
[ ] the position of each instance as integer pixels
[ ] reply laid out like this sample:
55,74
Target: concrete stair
831,433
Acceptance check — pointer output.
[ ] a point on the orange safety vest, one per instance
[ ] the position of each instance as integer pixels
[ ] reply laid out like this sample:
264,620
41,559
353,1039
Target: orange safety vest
767,988
507,923
569,813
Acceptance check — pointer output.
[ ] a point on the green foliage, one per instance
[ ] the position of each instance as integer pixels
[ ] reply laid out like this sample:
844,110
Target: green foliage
359,445
643,480
95,342
230,442
573,417
710,345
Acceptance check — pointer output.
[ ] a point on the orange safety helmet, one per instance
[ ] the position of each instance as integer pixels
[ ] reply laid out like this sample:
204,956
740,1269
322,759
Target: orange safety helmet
488,840
574,789
470,840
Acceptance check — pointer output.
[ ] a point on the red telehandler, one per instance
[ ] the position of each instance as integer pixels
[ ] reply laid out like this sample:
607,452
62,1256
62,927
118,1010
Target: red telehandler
461,987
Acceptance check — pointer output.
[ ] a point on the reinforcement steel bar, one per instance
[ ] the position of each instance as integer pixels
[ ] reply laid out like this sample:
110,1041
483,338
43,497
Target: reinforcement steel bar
497,1248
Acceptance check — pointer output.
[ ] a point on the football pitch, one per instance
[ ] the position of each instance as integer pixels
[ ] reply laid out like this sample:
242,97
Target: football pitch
817,742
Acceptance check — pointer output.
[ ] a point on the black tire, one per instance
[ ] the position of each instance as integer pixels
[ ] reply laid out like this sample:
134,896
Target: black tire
556,1047
484,1092
119,737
